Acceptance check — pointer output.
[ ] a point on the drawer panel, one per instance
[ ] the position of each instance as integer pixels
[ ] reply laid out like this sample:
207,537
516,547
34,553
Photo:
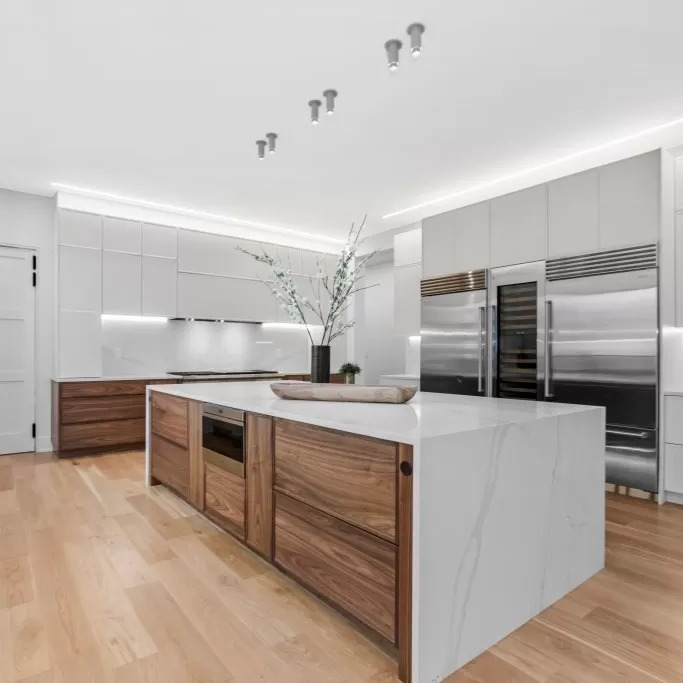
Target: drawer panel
102,408
345,475
673,419
225,499
102,434
170,418
105,388
171,465
349,567
673,468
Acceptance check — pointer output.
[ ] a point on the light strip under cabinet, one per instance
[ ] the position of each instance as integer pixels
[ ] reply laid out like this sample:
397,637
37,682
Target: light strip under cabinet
114,317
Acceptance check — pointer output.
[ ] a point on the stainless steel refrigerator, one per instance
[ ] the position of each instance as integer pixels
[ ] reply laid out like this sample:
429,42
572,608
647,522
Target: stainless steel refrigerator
603,340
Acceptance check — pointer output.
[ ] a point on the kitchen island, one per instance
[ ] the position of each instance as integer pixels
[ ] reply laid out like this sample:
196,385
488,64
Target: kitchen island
438,526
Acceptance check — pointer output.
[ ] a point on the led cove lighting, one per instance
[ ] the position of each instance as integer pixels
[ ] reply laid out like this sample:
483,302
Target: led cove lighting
134,318
534,169
294,326
158,206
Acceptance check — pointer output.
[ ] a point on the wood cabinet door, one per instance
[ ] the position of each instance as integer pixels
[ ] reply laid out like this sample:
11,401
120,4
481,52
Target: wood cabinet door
348,476
102,434
102,408
170,465
103,388
349,567
224,500
259,481
170,418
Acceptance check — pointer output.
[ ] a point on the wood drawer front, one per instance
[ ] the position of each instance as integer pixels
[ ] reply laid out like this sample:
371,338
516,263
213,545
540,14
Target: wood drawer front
348,476
170,418
225,499
349,567
102,434
171,465
102,408
104,388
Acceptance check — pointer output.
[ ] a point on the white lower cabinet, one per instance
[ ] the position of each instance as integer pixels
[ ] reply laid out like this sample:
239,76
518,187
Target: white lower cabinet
80,344
407,299
159,286
673,468
121,283
225,298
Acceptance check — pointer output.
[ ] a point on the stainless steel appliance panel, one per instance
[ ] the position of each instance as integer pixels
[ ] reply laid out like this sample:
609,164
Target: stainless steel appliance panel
223,437
603,332
454,341
518,337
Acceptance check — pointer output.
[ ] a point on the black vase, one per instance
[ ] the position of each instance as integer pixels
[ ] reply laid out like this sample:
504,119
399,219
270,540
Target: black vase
320,364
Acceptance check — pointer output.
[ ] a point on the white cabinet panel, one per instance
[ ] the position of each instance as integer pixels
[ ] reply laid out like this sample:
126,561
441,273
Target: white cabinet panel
629,202
573,215
80,279
200,252
519,227
159,286
289,257
673,419
122,235
121,283
679,184
159,240
673,468
408,247
456,241
80,229
80,344
225,298
407,299
310,261
678,244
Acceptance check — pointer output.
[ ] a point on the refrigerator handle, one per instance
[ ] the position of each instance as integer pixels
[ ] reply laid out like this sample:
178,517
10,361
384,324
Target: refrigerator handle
547,356
480,346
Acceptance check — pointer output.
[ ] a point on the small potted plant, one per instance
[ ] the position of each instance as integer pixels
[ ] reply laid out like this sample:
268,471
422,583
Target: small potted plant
350,370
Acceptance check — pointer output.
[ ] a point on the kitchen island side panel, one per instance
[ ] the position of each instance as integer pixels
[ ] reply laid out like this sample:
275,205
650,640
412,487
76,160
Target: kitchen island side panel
508,520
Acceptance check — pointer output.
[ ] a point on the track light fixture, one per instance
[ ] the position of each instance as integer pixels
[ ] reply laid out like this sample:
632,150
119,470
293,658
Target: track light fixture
261,145
315,111
329,96
392,47
415,32
271,137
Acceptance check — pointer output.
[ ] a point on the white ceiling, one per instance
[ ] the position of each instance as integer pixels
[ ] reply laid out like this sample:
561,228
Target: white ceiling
163,101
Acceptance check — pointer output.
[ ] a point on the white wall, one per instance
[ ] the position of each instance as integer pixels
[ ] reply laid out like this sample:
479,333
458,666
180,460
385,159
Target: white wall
131,348
377,349
28,221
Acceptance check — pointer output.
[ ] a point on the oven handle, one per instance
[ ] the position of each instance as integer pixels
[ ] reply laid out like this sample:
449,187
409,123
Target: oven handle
548,332
481,343
620,432
237,423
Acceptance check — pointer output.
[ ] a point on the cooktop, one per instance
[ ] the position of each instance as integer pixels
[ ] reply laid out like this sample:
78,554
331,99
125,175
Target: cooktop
199,373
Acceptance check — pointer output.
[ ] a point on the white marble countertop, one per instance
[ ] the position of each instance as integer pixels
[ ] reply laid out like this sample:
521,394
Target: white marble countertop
426,416
401,376
116,378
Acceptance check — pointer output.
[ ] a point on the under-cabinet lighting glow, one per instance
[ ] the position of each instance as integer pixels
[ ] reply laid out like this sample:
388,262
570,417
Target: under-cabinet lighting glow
415,337
534,169
293,326
135,318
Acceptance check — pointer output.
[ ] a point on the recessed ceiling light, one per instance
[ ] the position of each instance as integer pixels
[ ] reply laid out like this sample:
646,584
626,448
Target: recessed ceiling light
392,47
415,32
261,146
271,137
329,96
315,111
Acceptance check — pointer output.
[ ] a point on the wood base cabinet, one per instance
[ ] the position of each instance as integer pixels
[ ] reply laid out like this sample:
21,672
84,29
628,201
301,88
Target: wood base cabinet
224,498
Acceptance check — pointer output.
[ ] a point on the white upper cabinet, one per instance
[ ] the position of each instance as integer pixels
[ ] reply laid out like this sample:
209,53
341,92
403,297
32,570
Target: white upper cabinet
407,299
408,247
456,241
573,215
289,257
158,240
679,184
80,279
121,283
310,261
122,235
80,229
159,286
519,227
201,252
630,197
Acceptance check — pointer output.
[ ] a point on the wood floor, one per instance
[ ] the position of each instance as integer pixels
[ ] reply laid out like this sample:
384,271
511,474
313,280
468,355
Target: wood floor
104,581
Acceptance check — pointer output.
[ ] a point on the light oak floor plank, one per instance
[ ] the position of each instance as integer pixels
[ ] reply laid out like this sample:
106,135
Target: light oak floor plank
104,580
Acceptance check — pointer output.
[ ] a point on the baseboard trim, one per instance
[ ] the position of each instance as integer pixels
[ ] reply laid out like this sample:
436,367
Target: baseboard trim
671,497
44,444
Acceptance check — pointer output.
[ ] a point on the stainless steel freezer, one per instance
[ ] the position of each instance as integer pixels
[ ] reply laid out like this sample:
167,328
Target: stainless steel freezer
603,350
454,334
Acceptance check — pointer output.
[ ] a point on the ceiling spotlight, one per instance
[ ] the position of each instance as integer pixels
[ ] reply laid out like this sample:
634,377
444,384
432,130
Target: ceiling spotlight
329,96
315,111
392,47
271,142
261,145
415,32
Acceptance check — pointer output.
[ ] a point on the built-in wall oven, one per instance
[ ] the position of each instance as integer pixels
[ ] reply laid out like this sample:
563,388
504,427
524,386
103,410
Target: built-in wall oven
223,438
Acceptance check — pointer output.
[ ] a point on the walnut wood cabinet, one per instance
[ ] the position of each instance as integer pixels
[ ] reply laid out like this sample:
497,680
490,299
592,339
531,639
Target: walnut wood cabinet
99,415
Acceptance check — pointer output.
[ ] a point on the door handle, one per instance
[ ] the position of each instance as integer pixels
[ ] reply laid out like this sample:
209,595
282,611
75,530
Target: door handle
619,432
480,348
547,358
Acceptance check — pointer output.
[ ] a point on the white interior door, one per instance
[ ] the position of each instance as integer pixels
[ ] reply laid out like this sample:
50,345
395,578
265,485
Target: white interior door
17,356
